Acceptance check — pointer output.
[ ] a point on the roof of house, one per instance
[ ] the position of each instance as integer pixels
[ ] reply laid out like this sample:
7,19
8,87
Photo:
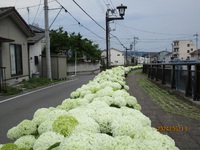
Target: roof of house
39,34
36,28
196,52
12,12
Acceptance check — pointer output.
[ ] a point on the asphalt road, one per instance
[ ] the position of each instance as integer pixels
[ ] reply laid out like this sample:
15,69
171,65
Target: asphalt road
15,109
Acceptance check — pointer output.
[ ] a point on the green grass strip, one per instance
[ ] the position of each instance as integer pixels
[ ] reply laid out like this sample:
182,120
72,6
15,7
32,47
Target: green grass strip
166,100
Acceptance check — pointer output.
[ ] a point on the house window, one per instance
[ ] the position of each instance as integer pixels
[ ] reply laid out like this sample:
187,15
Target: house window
188,51
16,59
118,54
191,49
188,45
116,62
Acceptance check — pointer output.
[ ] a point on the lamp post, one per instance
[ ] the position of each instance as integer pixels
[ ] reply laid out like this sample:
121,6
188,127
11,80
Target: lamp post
121,10
131,46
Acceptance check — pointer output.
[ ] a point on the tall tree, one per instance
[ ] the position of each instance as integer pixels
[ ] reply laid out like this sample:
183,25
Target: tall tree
59,41
62,42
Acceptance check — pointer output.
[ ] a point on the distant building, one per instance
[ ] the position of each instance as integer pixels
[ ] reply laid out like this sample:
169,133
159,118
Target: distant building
116,57
195,55
168,57
161,56
181,49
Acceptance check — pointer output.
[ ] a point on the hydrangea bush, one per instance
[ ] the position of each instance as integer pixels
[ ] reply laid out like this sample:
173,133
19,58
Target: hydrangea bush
100,115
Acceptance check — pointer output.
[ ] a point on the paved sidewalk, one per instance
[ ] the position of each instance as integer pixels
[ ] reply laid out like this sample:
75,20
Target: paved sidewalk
189,140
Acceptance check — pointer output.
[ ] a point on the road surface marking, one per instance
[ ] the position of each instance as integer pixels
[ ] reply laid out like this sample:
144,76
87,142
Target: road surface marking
9,99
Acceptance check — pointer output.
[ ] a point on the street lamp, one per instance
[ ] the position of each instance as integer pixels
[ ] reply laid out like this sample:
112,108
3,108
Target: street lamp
121,10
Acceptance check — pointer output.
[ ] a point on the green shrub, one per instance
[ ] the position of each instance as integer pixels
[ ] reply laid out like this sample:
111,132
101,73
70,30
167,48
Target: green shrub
36,82
10,91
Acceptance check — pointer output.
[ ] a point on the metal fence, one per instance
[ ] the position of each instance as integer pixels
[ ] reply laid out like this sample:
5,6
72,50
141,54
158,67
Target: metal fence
183,77
2,79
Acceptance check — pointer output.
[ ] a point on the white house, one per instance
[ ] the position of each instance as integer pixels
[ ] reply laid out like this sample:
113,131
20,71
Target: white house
116,57
181,49
195,55
36,44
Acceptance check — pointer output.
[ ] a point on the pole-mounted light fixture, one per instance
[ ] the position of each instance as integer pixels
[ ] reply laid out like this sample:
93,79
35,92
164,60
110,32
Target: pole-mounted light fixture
121,10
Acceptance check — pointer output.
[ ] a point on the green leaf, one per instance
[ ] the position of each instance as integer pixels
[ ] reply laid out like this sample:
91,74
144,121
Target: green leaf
54,146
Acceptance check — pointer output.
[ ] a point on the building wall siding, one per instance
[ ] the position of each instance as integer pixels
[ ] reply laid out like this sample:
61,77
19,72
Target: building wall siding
9,29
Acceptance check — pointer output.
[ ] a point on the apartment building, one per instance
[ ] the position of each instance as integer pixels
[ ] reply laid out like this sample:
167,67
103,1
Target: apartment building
181,49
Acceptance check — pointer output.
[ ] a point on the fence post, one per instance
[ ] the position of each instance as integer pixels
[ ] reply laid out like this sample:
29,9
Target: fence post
163,74
156,73
197,81
188,90
149,71
173,82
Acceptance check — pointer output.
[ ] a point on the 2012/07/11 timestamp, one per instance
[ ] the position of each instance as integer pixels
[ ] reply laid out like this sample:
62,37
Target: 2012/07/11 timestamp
172,128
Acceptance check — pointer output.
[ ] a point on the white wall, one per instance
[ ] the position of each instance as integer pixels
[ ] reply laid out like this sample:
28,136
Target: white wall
116,57
83,68
35,50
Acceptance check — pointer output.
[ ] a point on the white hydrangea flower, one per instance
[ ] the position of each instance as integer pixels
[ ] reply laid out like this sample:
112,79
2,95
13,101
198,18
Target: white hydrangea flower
151,134
136,114
26,127
109,100
40,115
68,104
75,94
104,117
119,101
78,141
82,111
125,125
25,142
124,143
90,97
107,91
84,92
86,124
54,114
87,141
131,101
95,105
46,140
122,93
45,126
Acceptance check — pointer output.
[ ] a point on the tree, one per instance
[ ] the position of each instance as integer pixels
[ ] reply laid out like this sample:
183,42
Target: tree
59,41
62,42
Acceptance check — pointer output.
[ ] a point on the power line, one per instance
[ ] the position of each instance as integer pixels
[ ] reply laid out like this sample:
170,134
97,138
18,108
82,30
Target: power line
34,5
77,20
37,11
96,21
88,15
151,31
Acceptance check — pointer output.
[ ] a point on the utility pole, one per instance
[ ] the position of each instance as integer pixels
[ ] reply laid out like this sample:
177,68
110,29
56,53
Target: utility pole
47,40
28,13
197,51
134,43
196,41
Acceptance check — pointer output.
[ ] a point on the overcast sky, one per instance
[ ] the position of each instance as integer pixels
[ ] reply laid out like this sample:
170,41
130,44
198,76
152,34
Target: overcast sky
156,23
